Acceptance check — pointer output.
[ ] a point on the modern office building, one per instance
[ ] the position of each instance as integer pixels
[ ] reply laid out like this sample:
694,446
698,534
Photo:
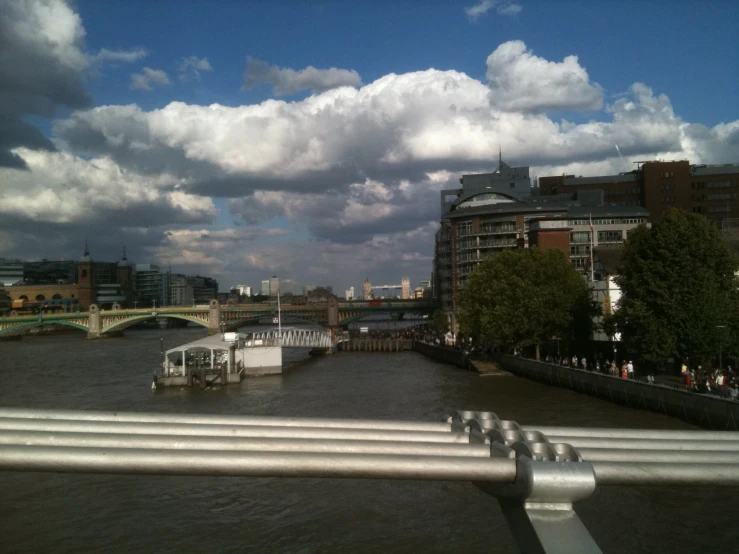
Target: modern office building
151,285
709,190
349,294
307,289
11,272
287,287
265,287
244,290
495,211
274,285
181,292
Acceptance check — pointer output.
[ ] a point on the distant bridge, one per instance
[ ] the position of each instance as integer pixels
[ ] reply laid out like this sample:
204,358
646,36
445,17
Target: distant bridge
292,338
100,323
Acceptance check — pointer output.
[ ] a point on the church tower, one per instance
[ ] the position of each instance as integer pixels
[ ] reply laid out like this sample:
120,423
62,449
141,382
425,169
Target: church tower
86,280
125,278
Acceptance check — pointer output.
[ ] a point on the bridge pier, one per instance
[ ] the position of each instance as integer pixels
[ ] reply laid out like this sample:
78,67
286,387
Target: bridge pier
93,321
214,317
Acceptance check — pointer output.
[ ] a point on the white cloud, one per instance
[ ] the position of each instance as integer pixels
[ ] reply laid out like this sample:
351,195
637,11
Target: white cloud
502,7
522,82
190,68
148,79
126,56
288,81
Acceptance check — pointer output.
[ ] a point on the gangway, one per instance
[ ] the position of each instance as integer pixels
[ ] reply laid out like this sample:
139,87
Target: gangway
536,473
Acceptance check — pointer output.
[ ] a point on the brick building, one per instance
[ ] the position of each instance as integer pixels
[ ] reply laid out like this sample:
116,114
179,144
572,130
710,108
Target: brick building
710,190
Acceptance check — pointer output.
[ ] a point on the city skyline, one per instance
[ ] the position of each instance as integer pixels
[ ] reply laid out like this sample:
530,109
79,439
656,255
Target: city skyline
245,157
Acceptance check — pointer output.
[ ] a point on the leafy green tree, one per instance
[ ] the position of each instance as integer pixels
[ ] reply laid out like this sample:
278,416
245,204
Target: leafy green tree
678,284
524,297
439,322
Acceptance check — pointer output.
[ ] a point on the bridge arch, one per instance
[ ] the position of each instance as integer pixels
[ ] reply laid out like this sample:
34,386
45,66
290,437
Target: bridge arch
128,321
23,327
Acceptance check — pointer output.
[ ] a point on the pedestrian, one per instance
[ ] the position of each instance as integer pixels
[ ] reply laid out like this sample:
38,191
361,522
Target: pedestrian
624,371
584,364
686,378
630,369
574,361
614,368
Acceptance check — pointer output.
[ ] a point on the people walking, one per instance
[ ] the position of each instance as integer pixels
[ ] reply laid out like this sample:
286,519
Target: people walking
630,369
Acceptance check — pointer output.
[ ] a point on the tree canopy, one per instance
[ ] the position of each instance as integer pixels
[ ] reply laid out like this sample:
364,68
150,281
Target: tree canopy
524,297
678,284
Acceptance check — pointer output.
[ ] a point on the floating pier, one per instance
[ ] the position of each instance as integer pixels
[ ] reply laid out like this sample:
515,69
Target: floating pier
221,359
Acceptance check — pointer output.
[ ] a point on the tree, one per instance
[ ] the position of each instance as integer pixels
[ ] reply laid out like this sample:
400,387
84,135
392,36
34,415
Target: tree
678,284
439,322
525,297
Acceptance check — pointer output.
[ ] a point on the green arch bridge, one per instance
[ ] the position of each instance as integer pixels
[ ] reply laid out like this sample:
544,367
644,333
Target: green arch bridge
101,323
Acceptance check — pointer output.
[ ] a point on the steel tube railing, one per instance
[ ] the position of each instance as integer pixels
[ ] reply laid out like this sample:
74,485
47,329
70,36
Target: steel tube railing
185,442
646,444
255,464
217,419
639,473
588,432
658,456
71,426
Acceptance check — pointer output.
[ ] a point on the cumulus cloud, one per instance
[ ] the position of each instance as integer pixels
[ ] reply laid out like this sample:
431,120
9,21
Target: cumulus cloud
148,79
190,67
522,82
288,81
41,58
502,7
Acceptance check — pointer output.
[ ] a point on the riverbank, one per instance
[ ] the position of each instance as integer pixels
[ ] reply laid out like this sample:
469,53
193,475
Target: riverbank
699,409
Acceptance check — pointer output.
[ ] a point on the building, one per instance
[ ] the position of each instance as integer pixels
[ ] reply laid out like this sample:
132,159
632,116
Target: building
367,289
265,287
5,303
244,290
307,289
181,292
151,286
349,294
604,290
274,286
405,288
287,287
11,273
710,190
492,212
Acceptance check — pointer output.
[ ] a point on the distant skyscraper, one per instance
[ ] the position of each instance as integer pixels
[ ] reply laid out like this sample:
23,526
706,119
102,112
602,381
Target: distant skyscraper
367,289
274,286
405,288
286,286
244,290
349,294
265,287
307,289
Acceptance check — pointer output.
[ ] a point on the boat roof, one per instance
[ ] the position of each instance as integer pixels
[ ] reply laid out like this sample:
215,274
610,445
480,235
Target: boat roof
213,342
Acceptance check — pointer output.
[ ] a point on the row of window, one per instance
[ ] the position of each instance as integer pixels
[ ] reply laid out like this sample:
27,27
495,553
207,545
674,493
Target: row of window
667,174
603,236
667,186
621,192
712,184
627,221
718,209
667,199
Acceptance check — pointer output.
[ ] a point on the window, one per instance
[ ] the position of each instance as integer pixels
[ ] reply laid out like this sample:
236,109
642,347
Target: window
610,236
84,274
698,185
23,297
580,236
57,296
718,209
726,196
697,210
719,184
463,229
40,297
581,250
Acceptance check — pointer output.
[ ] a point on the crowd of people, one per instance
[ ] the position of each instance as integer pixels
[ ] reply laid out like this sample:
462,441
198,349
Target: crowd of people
625,369
720,382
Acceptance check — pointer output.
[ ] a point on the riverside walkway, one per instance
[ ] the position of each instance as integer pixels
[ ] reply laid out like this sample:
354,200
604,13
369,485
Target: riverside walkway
704,410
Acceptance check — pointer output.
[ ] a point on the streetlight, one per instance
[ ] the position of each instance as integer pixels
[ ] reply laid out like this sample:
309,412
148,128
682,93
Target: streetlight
720,347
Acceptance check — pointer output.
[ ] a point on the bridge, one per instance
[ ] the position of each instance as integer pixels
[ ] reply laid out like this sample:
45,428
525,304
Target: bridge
536,473
101,323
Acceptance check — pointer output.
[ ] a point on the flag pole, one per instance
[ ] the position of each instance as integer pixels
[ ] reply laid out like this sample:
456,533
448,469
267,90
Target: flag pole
592,270
279,318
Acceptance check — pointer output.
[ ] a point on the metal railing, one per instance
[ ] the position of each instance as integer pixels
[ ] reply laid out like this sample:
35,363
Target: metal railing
536,473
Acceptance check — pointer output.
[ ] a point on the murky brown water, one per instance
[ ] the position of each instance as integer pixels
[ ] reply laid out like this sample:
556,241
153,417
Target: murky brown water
77,513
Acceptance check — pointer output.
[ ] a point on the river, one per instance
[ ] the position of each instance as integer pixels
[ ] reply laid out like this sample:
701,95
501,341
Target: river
99,513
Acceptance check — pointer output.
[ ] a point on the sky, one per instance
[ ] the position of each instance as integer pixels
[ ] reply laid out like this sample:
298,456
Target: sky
310,140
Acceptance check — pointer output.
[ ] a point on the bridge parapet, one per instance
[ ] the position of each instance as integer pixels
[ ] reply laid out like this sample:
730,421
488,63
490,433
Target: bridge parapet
536,473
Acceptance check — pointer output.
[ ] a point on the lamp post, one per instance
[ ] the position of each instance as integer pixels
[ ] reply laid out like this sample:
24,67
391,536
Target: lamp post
720,347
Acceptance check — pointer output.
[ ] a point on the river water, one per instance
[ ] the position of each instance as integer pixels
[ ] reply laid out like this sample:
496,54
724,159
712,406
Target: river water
99,513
